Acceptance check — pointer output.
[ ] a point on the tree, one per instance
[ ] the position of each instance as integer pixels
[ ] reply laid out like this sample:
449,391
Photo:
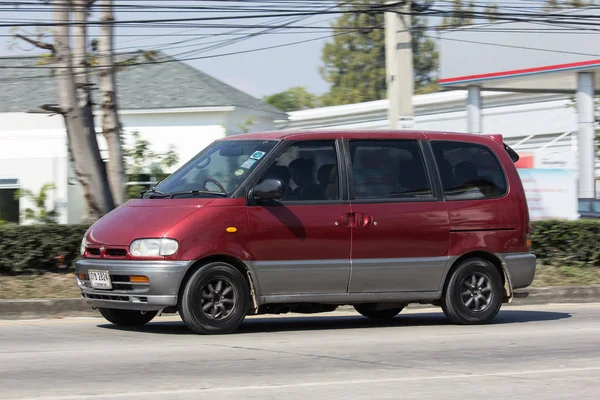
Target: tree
144,165
354,62
81,135
40,214
111,128
426,59
460,15
555,5
293,99
103,189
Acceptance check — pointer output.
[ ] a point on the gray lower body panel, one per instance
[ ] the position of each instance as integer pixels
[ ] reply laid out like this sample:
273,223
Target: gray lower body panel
302,276
165,279
381,275
520,268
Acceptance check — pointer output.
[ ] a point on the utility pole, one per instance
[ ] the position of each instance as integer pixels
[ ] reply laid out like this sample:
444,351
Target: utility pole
399,62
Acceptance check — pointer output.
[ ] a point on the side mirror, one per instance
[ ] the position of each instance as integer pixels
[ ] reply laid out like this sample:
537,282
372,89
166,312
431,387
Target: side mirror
269,189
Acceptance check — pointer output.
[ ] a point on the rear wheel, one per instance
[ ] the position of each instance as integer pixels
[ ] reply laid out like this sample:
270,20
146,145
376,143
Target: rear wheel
215,299
370,311
127,317
474,293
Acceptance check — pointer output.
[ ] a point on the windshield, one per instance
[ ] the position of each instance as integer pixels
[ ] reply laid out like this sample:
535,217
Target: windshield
216,171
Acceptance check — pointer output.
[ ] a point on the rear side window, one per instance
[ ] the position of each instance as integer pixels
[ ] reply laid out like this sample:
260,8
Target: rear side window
469,171
388,169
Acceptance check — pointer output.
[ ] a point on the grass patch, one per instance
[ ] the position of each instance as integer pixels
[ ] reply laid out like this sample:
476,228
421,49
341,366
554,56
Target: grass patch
46,286
62,286
566,276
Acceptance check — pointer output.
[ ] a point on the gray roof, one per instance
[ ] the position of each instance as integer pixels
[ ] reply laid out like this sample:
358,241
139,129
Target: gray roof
162,83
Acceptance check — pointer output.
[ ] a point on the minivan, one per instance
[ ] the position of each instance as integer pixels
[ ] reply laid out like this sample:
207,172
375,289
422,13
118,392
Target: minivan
304,222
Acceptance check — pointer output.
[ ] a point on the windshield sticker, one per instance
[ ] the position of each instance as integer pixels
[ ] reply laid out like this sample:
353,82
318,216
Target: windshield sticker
257,155
248,163
239,172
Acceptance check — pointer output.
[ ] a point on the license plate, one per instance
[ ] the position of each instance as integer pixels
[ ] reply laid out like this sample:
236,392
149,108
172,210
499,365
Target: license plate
100,279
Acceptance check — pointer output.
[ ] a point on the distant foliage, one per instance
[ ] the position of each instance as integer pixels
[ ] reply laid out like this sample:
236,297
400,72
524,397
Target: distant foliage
567,243
39,248
293,99
40,213
141,162
354,61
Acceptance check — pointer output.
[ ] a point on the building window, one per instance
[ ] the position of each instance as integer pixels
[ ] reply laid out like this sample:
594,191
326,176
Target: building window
9,203
469,171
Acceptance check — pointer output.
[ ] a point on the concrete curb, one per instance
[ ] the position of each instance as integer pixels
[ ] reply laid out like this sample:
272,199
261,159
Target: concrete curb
61,308
45,308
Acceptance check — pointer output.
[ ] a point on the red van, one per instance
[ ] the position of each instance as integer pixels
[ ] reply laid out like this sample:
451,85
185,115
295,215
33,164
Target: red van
305,222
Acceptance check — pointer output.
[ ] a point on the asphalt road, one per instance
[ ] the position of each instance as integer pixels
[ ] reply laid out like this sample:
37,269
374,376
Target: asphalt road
536,352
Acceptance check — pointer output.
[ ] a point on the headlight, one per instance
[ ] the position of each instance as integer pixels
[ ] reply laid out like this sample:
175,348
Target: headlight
153,247
83,246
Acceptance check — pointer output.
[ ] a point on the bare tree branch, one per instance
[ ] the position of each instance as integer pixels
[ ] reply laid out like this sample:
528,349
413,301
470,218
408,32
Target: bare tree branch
53,108
37,43
50,109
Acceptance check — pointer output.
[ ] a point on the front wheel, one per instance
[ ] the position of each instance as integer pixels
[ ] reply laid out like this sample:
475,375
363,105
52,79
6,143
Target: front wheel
127,317
474,293
215,299
370,311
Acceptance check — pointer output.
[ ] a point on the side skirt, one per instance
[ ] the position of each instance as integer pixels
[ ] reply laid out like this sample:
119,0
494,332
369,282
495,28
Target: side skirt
353,298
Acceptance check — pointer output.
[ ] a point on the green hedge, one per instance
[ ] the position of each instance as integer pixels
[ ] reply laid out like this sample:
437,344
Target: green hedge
40,248
567,243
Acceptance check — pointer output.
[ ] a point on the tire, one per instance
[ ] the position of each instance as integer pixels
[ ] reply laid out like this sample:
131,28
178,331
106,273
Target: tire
215,299
369,310
474,293
127,317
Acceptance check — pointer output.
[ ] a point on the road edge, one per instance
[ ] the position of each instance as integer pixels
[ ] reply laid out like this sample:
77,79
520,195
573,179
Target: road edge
63,308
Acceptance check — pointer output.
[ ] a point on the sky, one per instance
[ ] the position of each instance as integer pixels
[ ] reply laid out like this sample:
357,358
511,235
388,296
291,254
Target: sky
258,73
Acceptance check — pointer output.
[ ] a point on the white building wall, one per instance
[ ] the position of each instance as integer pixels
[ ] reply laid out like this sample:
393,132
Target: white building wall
513,115
187,132
33,147
33,150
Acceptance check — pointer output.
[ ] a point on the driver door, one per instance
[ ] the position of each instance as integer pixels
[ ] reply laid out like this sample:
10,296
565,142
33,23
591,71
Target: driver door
300,244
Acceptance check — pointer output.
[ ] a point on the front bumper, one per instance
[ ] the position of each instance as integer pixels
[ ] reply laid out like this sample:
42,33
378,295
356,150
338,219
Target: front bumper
520,268
165,279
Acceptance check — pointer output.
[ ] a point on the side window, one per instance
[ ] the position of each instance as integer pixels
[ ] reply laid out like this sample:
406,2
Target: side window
391,169
308,171
469,171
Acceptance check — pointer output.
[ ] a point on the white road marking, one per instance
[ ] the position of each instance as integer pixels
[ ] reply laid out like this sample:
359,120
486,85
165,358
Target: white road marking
309,384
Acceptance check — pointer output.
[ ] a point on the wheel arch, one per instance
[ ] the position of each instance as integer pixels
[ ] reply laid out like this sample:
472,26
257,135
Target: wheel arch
235,262
494,259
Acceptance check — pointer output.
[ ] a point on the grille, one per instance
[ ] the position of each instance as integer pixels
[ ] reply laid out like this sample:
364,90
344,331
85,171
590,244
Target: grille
93,251
106,297
116,252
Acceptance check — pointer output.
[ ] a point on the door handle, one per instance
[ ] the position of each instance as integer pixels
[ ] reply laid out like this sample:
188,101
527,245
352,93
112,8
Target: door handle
348,219
354,219
363,219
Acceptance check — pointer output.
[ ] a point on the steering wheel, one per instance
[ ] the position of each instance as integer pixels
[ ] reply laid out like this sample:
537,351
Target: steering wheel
216,182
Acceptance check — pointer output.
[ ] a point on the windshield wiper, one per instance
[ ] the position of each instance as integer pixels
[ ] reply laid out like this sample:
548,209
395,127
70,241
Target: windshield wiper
171,195
152,190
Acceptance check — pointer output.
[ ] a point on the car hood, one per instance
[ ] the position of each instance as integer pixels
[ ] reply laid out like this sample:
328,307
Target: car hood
144,218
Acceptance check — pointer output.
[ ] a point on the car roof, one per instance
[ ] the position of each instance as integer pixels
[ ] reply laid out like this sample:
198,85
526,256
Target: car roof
362,134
